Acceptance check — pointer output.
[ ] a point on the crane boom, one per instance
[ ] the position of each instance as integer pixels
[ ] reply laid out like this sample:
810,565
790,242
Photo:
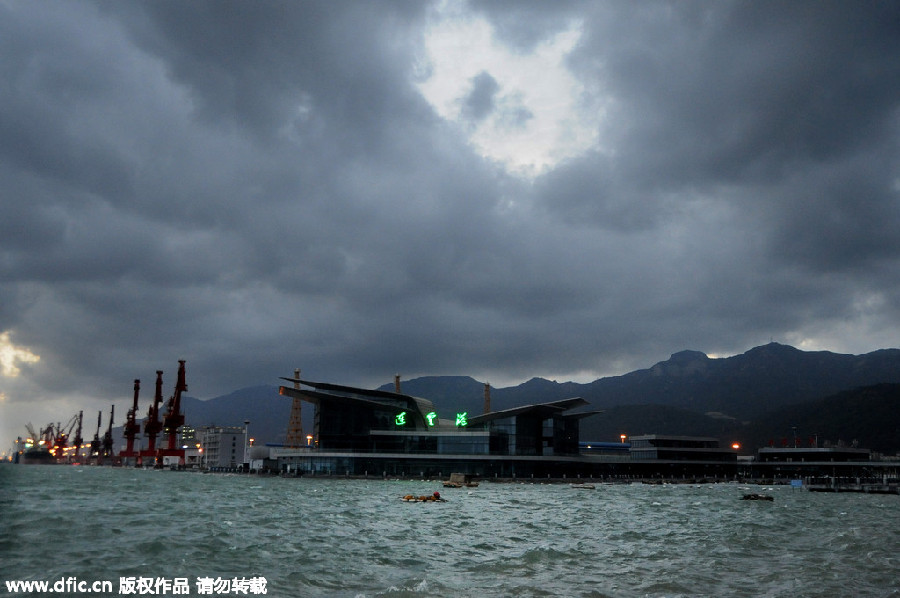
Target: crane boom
132,428
95,443
78,440
152,425
174,419
107,438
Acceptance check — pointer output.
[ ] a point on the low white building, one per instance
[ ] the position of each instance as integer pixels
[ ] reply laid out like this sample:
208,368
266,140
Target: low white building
223,447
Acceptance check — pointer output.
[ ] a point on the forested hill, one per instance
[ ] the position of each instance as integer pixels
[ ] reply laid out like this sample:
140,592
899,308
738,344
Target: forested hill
743,386
690,393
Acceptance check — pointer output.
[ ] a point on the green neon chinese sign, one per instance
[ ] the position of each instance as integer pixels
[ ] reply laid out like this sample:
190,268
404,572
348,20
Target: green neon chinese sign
462,419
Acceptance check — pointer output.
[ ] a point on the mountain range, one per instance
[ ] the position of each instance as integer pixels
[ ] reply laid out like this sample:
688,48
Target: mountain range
766,395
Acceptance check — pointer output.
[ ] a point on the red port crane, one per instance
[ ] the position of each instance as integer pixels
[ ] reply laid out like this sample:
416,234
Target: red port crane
174,419
107,438
58,444
78,440
132,428
152,425
95,443
61,441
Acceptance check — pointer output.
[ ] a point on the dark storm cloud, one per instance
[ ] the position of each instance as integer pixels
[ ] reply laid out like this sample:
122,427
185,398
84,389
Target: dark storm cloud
481,99
523,24
485,100
767,133
786,117
743,94
272,68
296,171
259,186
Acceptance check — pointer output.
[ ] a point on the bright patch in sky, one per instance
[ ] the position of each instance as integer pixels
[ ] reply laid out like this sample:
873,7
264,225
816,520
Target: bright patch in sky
522,110
10,355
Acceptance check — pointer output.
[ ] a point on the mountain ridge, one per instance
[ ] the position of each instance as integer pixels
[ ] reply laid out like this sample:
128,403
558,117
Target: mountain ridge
709,396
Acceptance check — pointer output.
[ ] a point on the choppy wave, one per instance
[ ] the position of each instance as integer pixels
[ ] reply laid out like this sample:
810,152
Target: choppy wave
354,538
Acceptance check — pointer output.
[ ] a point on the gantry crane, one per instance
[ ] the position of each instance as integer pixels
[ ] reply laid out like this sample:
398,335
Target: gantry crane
107,438
78,440
61,439
174,419
132,428
96,445
152,425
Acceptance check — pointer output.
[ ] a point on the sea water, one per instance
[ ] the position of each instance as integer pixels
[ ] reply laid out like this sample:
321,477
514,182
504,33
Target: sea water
313,537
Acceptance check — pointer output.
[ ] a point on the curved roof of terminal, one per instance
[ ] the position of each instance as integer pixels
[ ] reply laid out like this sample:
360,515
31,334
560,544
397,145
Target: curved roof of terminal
424,406
337,390
542,409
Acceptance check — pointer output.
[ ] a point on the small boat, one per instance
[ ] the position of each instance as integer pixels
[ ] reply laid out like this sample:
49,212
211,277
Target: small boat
436,497
758,497
583,486
460,480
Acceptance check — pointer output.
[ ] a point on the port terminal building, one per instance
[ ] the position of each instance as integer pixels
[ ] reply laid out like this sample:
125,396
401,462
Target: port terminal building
374,433
364,432
361,432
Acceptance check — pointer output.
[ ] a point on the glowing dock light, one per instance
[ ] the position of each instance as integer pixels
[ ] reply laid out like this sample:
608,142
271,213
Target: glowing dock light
736,445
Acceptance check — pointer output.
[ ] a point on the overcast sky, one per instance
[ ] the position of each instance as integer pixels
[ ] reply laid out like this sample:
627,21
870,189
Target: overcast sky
501,189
